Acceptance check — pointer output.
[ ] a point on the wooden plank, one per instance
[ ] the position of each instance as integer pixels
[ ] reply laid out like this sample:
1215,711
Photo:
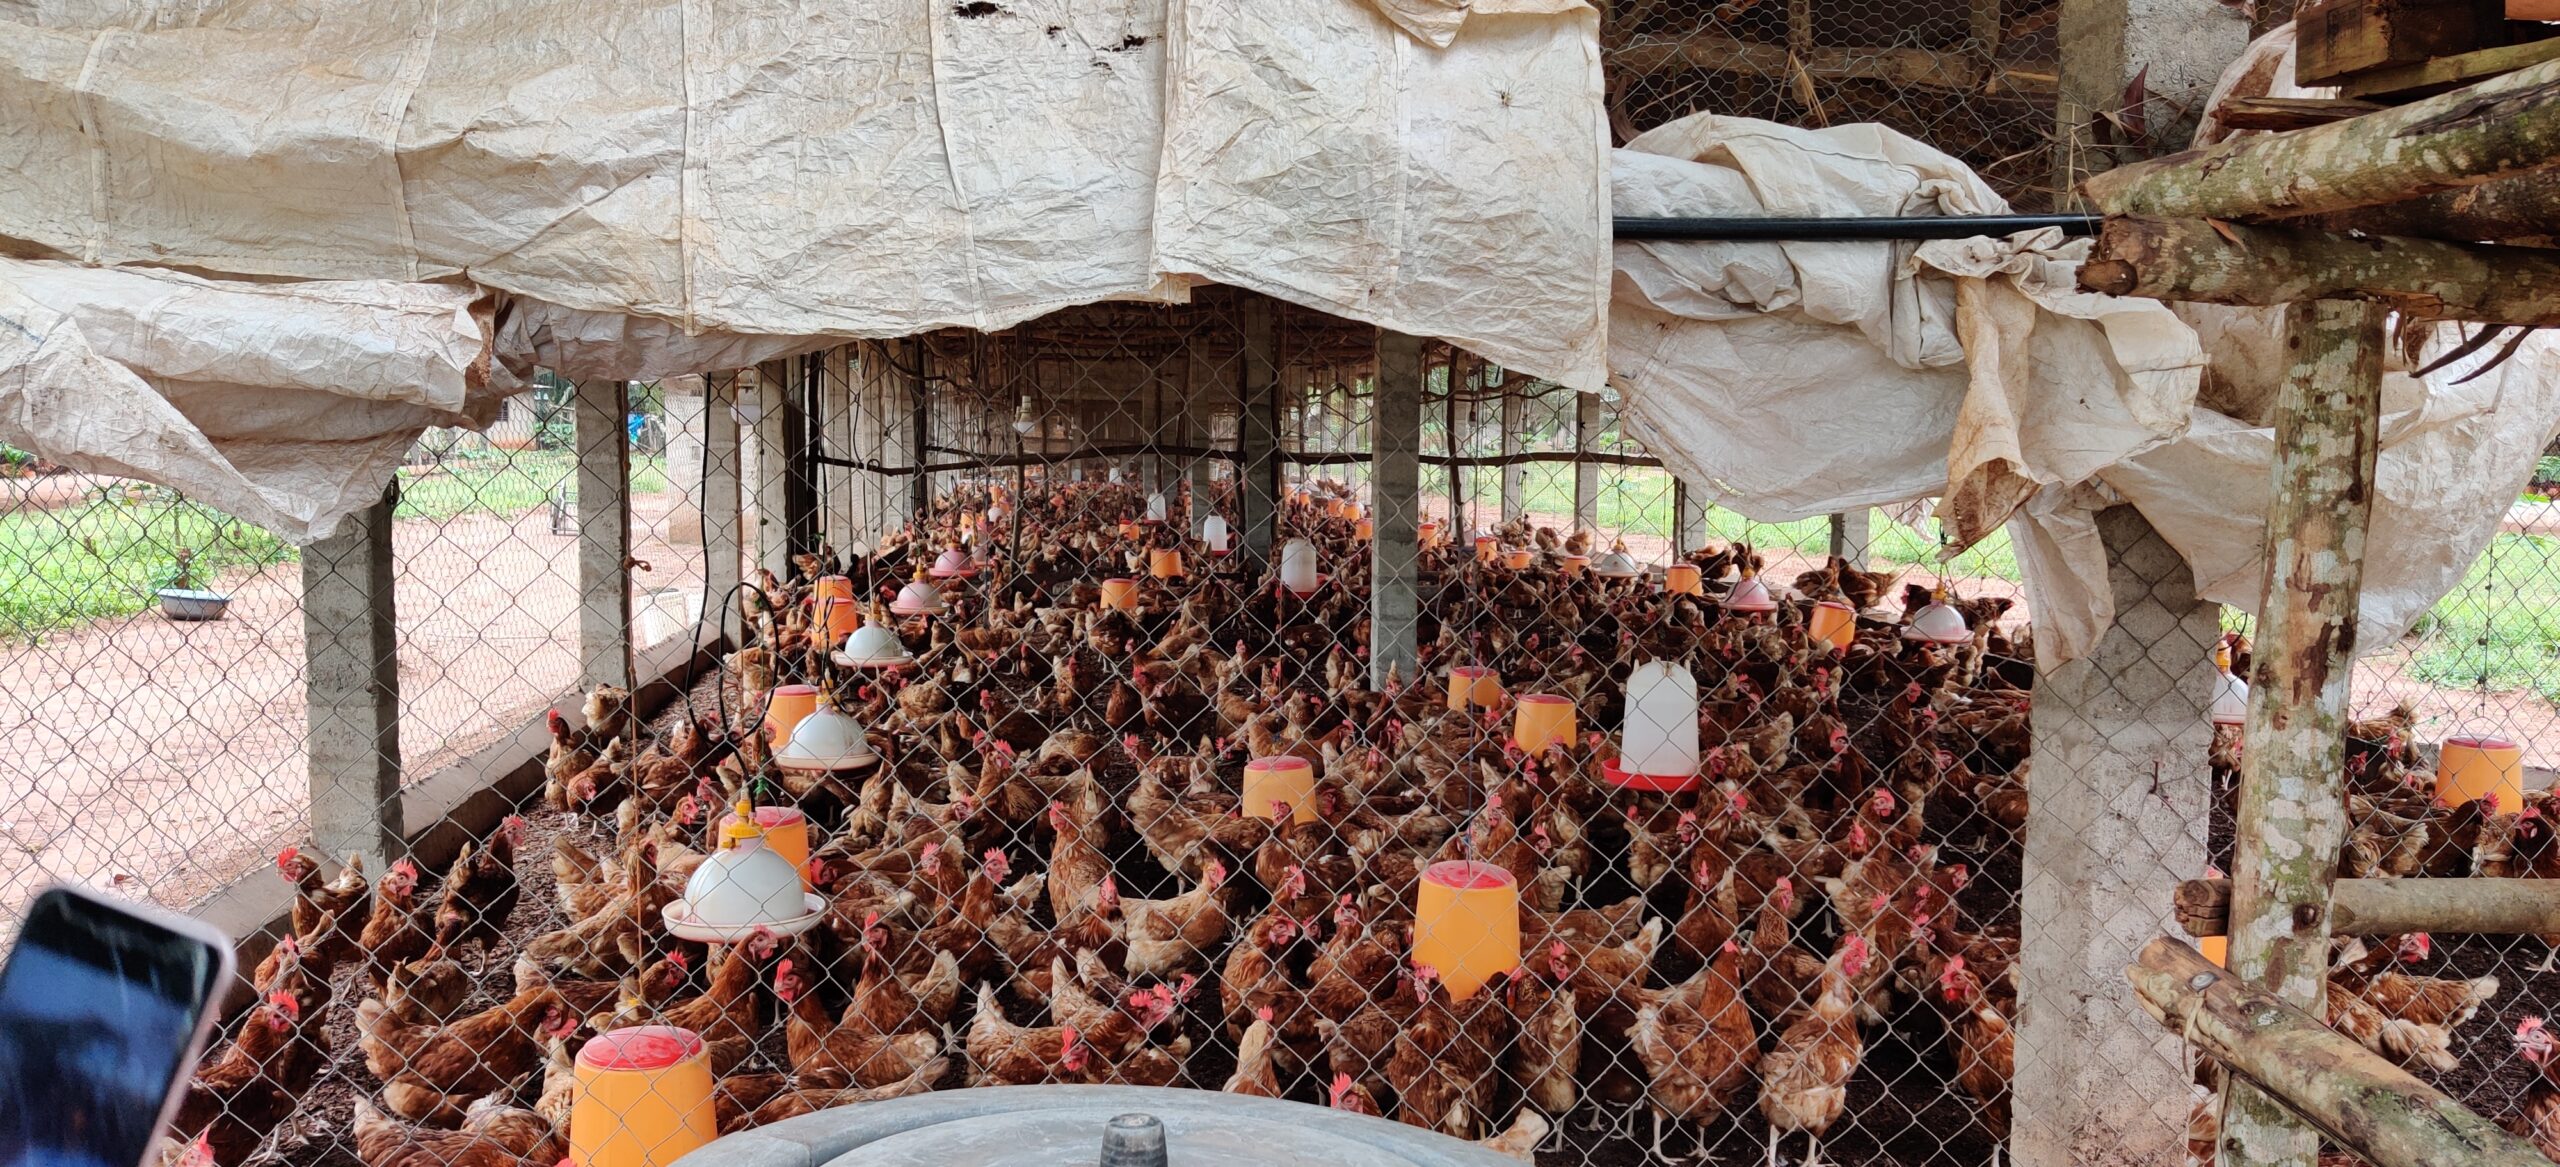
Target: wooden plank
2289,113
2442,73
2336,38
2292,798
2379,1111
2504,126
1924,68
2389,907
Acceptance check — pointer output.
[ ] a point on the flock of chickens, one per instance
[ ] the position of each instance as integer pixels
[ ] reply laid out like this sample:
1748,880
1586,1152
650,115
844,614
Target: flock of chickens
1047,877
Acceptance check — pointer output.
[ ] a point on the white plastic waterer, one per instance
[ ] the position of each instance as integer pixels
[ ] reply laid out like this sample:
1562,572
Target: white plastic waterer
1298,566
2230,693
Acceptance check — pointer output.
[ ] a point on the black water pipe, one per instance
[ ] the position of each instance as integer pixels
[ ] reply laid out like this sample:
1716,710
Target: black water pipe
1769,229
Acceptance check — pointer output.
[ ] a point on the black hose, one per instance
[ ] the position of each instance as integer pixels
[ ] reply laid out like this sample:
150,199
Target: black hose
1797,229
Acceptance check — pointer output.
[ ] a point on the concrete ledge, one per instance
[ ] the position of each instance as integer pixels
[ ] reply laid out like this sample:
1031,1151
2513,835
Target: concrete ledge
462,801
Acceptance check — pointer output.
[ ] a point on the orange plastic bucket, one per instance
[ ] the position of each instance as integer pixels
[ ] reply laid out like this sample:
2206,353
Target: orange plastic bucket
1163,563
1466,924
1271,781
1516,560
1120,593
833,587
785,707
1833,623
1474,684
1541,720
786,830
2469,767
644,1098
1682,579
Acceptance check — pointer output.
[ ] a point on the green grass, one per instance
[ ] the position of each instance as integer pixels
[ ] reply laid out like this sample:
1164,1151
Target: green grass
1638,499
2502,622
104,558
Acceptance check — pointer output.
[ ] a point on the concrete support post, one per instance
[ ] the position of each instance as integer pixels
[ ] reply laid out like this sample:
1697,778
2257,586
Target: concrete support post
1853,536
840,521
1689,519
1258,430
778,489
2117,821
1514,475
682,400
1586,476
2177,47
1395,477
919,433
723,518
351,682
604,534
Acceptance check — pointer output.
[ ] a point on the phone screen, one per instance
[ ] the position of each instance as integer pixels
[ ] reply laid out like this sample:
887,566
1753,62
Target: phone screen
96,1009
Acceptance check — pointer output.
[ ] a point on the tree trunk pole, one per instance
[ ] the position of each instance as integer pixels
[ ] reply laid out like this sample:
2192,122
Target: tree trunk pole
2292,807
2505,125
2389,907
2374,1108
2190,260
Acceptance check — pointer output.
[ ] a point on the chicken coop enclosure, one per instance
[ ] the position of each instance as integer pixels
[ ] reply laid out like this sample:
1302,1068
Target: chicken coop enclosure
1134,558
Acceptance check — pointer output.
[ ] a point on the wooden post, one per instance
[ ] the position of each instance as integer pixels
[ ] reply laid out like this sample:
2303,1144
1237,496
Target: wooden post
2376,1109
2389,907
1514,474
351,685
1258,429
1852,535
1453,444
1586,475
1395,476
840,516
919,432
2292,805
2230,263
604,534
1689,519
2120,772
723,518
2505,125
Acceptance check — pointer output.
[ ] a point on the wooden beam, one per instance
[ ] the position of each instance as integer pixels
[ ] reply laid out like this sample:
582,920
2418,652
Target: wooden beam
2389,907
2231,263
604,534
2372,1107
1395,493
2279,114
2507,125
1923,68
2292,798
2441,73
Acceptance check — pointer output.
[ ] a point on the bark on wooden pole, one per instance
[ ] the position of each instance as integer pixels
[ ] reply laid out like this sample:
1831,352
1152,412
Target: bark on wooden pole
1395,446
2372,1107
2517,209
1586,476
2292,807
2191,260
2388,907
2506,125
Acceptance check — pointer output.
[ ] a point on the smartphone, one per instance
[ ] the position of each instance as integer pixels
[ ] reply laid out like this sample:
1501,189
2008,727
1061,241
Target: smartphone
104,1008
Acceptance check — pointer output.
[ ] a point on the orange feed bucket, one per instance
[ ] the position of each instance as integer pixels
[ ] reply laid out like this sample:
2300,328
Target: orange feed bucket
833,587
1474,685
1466,924
786,830
838,618
1487,549
785,707
1682,579
1271,781
644,1098
1832,623
1573,564
1429,533
1541,720
1164,563
1121,594
1364,530
1516,560
2469,767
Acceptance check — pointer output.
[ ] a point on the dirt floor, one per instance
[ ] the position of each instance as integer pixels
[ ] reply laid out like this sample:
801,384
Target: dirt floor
163,759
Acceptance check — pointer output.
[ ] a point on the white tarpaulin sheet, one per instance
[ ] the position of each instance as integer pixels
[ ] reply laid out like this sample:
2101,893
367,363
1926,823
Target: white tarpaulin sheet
288,405
848,170
1786,380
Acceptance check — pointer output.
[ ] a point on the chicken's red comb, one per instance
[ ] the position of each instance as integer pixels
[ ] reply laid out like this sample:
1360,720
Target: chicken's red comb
288,855
679,959
1262,1014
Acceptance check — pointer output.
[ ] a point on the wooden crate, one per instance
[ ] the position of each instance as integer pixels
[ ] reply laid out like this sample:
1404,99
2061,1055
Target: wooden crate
2336,39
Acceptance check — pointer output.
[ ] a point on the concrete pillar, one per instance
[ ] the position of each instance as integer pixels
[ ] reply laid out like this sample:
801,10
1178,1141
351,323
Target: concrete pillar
919,432
1395,477
1514,413
1586,476
840,520
784,500
682,400
1853,536
1689,519
1258,430
2121,799
351,682
2177,47
723,518
604,534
